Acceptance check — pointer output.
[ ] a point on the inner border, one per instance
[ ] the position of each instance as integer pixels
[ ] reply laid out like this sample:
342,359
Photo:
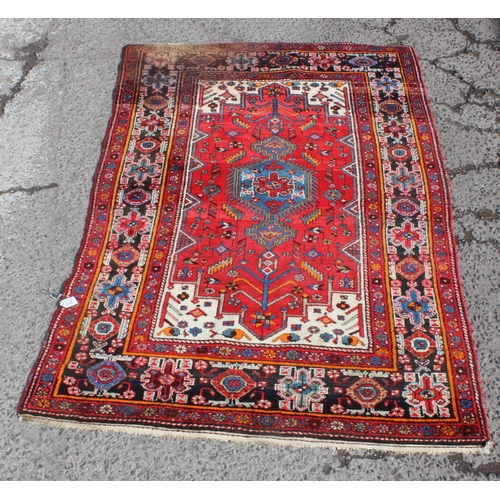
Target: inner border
360,99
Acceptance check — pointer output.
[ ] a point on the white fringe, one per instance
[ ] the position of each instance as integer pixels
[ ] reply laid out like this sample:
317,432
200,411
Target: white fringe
239,438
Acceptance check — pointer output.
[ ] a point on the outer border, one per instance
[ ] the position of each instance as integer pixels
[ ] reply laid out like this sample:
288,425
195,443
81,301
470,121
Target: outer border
446,184
94,191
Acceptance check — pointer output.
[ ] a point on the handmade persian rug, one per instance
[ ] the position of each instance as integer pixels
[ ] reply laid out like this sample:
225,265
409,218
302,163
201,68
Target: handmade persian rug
268,254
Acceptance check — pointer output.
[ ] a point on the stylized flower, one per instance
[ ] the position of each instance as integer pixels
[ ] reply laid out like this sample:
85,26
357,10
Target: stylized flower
132,224
114,292
269,369
166,380
337,409
198,400
201,365
404,180
158,81
386,84
395,129
69,380
415,307
242,419
408,236
301,390
241,61
397,412
264,404
323,61
427,396
336,425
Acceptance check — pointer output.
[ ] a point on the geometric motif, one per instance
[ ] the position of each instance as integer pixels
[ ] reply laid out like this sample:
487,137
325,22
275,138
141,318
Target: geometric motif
268,253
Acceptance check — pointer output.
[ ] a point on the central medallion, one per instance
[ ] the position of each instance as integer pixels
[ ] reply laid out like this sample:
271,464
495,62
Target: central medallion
271,189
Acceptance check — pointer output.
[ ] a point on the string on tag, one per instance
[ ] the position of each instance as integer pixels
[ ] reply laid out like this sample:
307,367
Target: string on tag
52,295
63,302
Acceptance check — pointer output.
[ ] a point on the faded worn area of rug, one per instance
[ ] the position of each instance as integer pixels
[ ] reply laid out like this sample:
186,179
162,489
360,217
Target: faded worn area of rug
268,254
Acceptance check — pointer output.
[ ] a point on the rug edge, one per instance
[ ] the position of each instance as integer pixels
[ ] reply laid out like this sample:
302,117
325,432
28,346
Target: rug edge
271,45
141,430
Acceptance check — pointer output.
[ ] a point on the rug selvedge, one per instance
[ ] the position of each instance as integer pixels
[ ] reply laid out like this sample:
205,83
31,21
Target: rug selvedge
268,252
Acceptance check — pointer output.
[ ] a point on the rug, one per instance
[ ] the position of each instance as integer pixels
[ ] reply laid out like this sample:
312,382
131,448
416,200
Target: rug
268,254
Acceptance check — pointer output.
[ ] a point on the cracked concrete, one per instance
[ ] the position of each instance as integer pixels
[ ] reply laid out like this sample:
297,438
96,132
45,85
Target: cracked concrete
30,190
56,83
28,57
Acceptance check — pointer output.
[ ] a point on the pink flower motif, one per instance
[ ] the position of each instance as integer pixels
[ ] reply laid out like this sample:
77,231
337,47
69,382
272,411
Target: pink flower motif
264,404
69,380
337,409
128,394
334,374
397,412
141,361
201,365
74,391
198,400
323,61
81,356
404,359
427,283
269,369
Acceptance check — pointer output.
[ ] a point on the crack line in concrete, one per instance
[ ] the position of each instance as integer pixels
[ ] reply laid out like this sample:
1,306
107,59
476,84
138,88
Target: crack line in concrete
460,465
472,168
481,213
472,38
30,55
29,190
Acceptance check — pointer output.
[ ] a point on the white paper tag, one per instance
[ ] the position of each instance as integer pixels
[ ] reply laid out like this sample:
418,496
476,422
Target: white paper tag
69,302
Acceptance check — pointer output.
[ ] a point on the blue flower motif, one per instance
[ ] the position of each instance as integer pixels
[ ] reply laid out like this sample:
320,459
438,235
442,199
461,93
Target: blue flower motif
427,430
47,377
127,410
326,337
195,331
267,421
158,81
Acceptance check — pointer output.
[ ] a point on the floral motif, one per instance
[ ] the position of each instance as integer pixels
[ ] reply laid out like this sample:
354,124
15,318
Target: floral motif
166,380
408,236
301,391
415,307
427,395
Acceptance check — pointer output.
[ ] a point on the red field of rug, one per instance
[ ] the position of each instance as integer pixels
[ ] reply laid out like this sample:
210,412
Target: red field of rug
268,254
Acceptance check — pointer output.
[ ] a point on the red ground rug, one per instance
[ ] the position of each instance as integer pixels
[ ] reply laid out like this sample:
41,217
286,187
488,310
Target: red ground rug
269,254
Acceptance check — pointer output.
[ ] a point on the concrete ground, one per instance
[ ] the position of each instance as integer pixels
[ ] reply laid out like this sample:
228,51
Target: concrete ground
56,84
